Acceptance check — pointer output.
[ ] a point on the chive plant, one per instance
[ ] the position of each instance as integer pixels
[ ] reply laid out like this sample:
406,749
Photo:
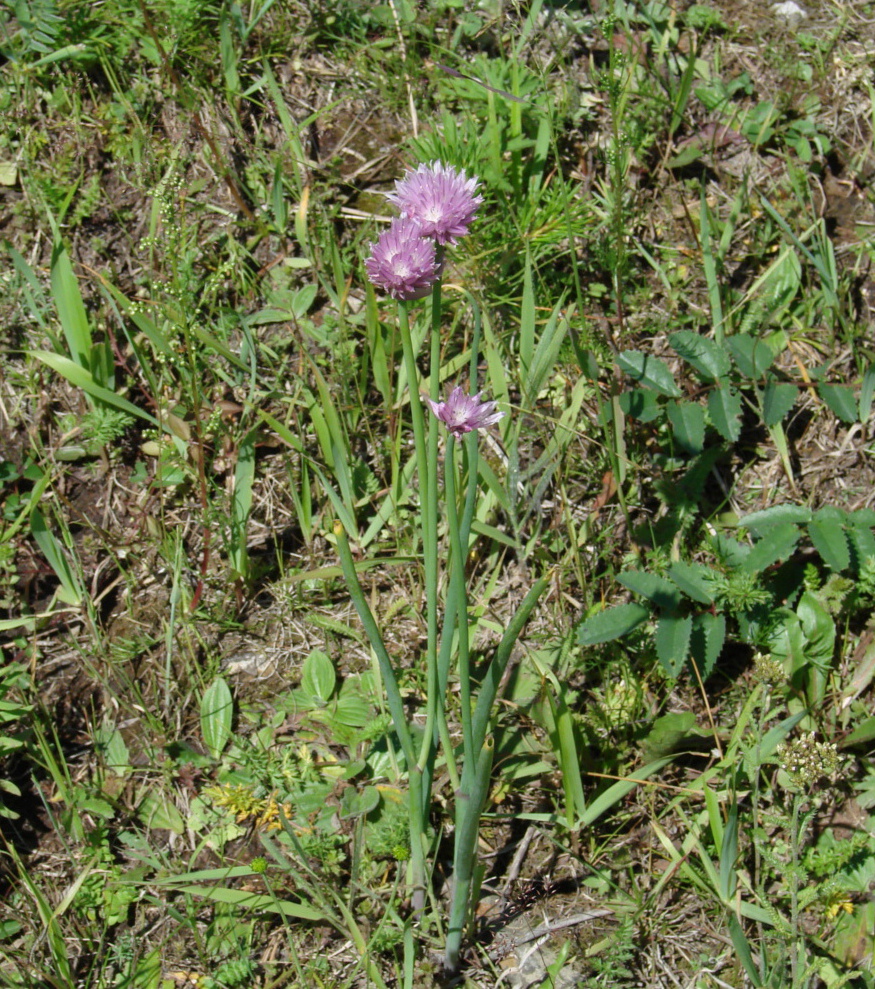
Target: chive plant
437,204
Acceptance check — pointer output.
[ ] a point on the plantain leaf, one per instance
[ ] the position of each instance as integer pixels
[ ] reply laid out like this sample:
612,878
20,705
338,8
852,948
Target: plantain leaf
217,711
318,678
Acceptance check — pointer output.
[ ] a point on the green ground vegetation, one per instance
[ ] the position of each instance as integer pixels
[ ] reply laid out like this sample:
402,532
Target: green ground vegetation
670,280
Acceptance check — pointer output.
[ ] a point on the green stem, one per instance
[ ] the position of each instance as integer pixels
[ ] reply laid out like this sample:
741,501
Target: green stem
460,599
426,475
470,800
396,710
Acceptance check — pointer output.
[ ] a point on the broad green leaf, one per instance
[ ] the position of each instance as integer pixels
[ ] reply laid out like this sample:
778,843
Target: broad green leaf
862,541
611,624
217,712
660,591
819,629
730,551
706,641
768,518
358,803
778,543
667,734
867,393
650,371
640,403
709,359
318,677
672,642
695,580
752,356
831,541
157,810
862,734
352,711
840,400
724,408
688,425
778,399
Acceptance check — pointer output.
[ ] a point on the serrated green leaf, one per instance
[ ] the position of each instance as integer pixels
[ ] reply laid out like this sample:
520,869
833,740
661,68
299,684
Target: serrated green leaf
724,408
318,678
640,403
840,400
694,580
688,425
611,624
217,712
672,642
831,541
657,589
778,399
768,518
706,641
778,543
650,371
702,353
752,356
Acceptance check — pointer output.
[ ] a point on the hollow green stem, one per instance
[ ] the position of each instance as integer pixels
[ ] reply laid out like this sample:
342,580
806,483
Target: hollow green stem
396,710
470,800
427,477
459,599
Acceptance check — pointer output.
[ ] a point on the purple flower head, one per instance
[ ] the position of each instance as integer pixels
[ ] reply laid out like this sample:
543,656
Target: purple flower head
403,263
441,199
461,413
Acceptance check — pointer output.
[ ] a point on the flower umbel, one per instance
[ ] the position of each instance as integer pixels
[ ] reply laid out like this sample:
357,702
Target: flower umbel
403,263
441,199
461,413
